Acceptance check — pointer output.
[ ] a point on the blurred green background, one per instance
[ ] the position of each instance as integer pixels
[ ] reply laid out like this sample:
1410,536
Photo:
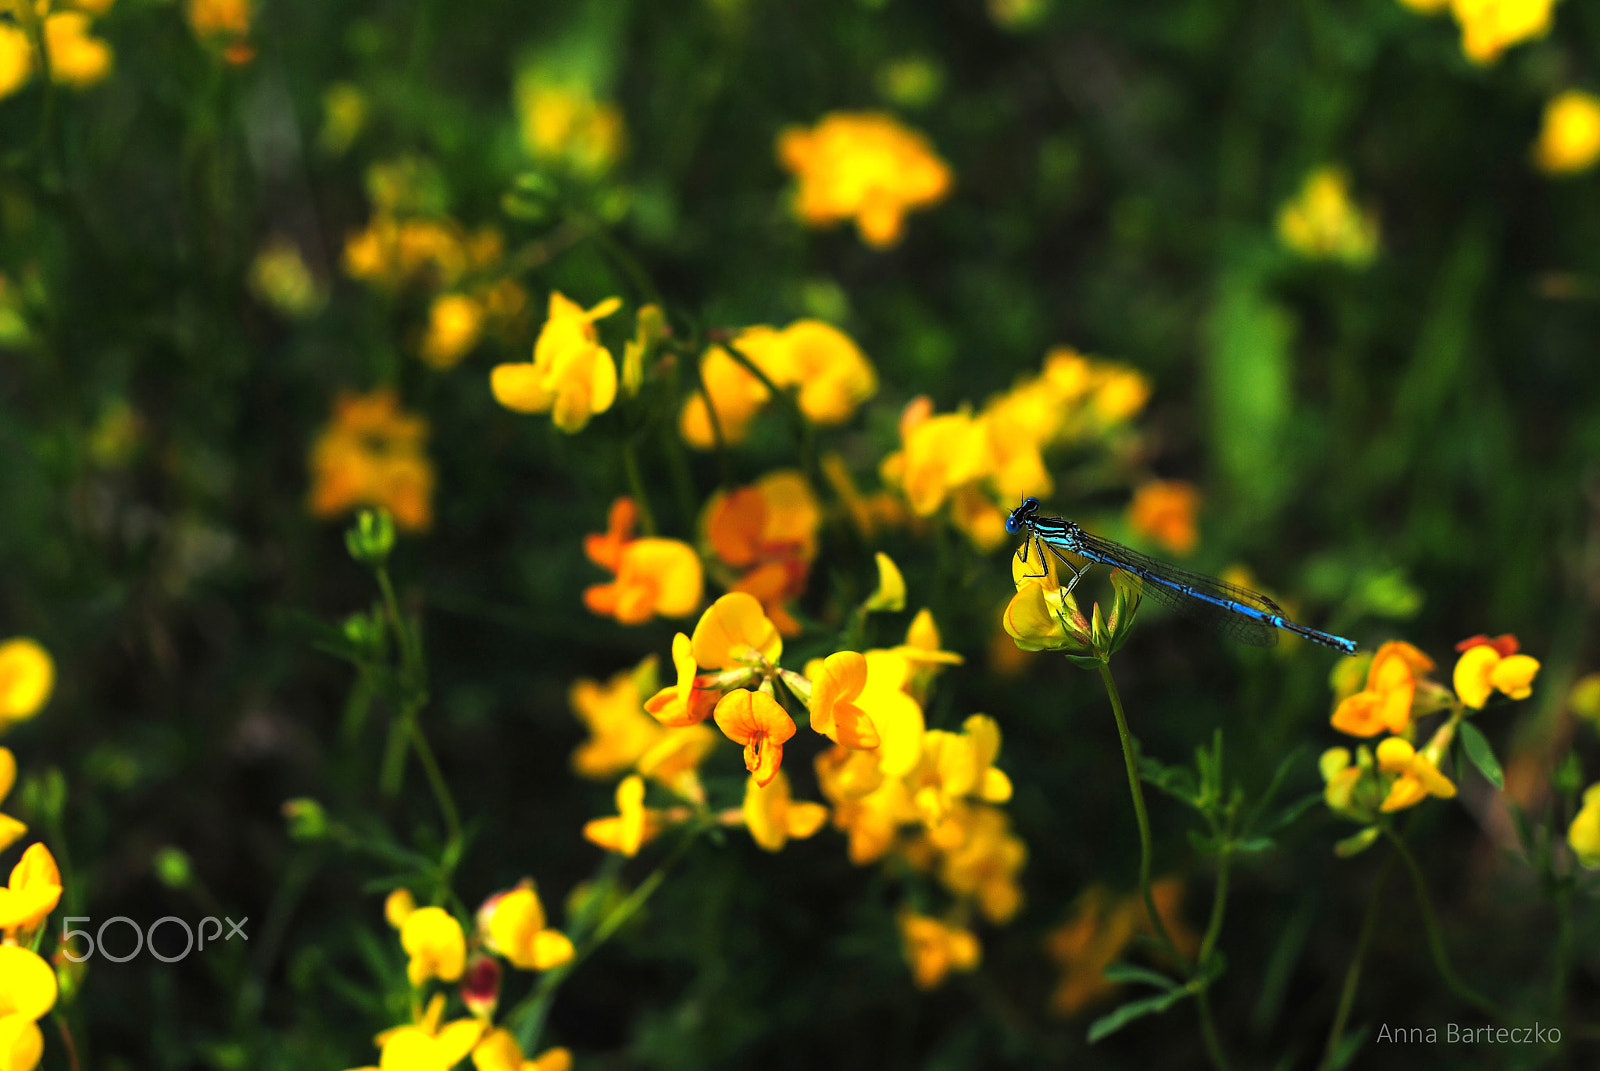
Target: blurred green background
1408,448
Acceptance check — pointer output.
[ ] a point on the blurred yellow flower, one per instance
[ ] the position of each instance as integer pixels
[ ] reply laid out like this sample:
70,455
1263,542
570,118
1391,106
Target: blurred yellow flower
455,323
398,906
837,682
27,993
1322,223
433,939
227,18
1569,140
984,862
1164,510
633,826
372,454
619,729
1485,668
1419,777
773,817
33,892
564,124
27,677
734,632
572,376
654,577
1584,833
11,830
280,278
1098,931
934,948
512,925
1489,27
430,1044
16,58
499,1051
1018,14
683,703
76,58
755,720
864,166
959,765
1385,703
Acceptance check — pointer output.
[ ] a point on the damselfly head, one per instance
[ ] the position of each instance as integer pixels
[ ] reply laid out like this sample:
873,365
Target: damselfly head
1022,515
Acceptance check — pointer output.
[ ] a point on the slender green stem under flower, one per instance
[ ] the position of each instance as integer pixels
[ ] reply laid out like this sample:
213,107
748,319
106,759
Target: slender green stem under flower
1352,976
1441,957
630,464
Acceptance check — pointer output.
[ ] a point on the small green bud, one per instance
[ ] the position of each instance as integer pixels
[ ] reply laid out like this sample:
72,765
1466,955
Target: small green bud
371,538
307,819
172,868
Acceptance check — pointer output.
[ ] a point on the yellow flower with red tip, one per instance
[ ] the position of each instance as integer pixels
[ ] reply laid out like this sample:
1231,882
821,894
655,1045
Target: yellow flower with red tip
653,576
773,816
686,702
572,376
33,892
373,453
513,925
934,948
1584,832
1487,666
499,1051
433,939
27,993
1386,702
754,719
864,166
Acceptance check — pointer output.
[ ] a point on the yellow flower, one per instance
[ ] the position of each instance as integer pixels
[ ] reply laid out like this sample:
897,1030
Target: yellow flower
1482,669
455,323
836,684
1340,778
398,906
894,712
432,938
772,816
27,677
219,18
833,375
11,830
985,863
684,703
76,59
619,729
735,632
890,594
1419,777
499,1051
1322,223
572,376
1489,27
934,948
654,577
392,253
1569,140
632,827
1164,510
867,806
863,166
513,926
960,765
280,278
33,893
755,720
430,1044
1386,702
16,58
937,454
1584,833
1426,7
565,125
27,993
372,453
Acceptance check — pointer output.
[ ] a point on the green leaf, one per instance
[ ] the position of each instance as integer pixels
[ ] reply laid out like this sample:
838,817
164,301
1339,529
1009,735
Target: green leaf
1481,753
1135,975
1110,1023
1254,844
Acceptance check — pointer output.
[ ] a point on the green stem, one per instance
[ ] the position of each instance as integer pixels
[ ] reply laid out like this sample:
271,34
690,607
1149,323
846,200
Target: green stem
1563,954
441,790
1137,791
1352,976
1441,957
1208,944
530,1014
630,464
802,426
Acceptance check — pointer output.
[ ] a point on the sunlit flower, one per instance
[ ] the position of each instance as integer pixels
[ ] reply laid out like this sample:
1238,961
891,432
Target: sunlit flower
27,677
1569,140
513,925
960,765
433,939
280,278
836,684
773,816
1419,777
27,993
372,454
769,532
499,1051
686,702
1489,27
895,714
1484,669
564,124
755,720
572,376
398,906
1386,701
634,824
1323,223
934,948
430,1044
1584,833
619,729
734,631
455,323
76,58
937,454
33,892
868,807
392,253
654,577
863,166
1164,510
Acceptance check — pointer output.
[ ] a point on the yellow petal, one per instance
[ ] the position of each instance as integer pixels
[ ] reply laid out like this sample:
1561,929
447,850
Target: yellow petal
27,984
732,630
27,676
890,593
1472,675
1514,675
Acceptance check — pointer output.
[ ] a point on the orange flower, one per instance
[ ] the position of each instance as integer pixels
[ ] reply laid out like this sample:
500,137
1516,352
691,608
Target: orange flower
372,453
455,323
865,166
620,731
934,948
835,686
572,376
769,530
1096,934
1164,510
605,549
654,576
1386,701
755,720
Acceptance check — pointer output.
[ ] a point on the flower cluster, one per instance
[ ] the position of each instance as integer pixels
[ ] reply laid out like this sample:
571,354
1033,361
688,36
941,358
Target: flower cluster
831,374
510,926
1321,222
77,58
766,537
372,453
863,166
1387,693
225,26
974,463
